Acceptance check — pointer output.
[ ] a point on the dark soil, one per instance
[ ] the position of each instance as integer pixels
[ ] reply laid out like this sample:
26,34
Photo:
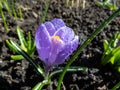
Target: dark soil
20,75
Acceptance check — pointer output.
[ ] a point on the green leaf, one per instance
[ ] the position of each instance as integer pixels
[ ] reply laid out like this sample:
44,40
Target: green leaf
115,50
105,45
28,58
21,37
31,45
115,42
11,46
116,87
20,13
28,46
1,6
70,69
115,39
111,56
44,14
33,48
118,68
7,7
117,58
29,41
119,36
106,59
13,9
111,4
4,19
107,50
14,57
17,57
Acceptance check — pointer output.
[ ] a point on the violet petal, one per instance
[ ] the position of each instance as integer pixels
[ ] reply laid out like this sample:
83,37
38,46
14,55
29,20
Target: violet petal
58,23
50,28
43,42
65,33
67,50
57,46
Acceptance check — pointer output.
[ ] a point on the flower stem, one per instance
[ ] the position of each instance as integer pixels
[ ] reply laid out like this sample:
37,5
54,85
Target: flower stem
88,40
40,85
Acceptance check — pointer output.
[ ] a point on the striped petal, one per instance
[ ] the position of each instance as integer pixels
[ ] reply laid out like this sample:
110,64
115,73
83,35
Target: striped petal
58,23
43,42
68,50
65,33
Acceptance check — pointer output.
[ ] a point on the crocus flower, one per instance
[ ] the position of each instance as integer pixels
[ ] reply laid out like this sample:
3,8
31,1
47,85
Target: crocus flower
55,42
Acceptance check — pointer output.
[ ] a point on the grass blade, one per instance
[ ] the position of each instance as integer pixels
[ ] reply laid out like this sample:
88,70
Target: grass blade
4,19
45,12
116,87
11,46
13,10
7,7
21,37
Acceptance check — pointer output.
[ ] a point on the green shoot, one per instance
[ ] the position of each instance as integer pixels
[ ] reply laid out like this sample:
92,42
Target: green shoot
112,52
27,45
116,87
13,10
45,12
4,19
20,13
5,3
111,4
27,57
